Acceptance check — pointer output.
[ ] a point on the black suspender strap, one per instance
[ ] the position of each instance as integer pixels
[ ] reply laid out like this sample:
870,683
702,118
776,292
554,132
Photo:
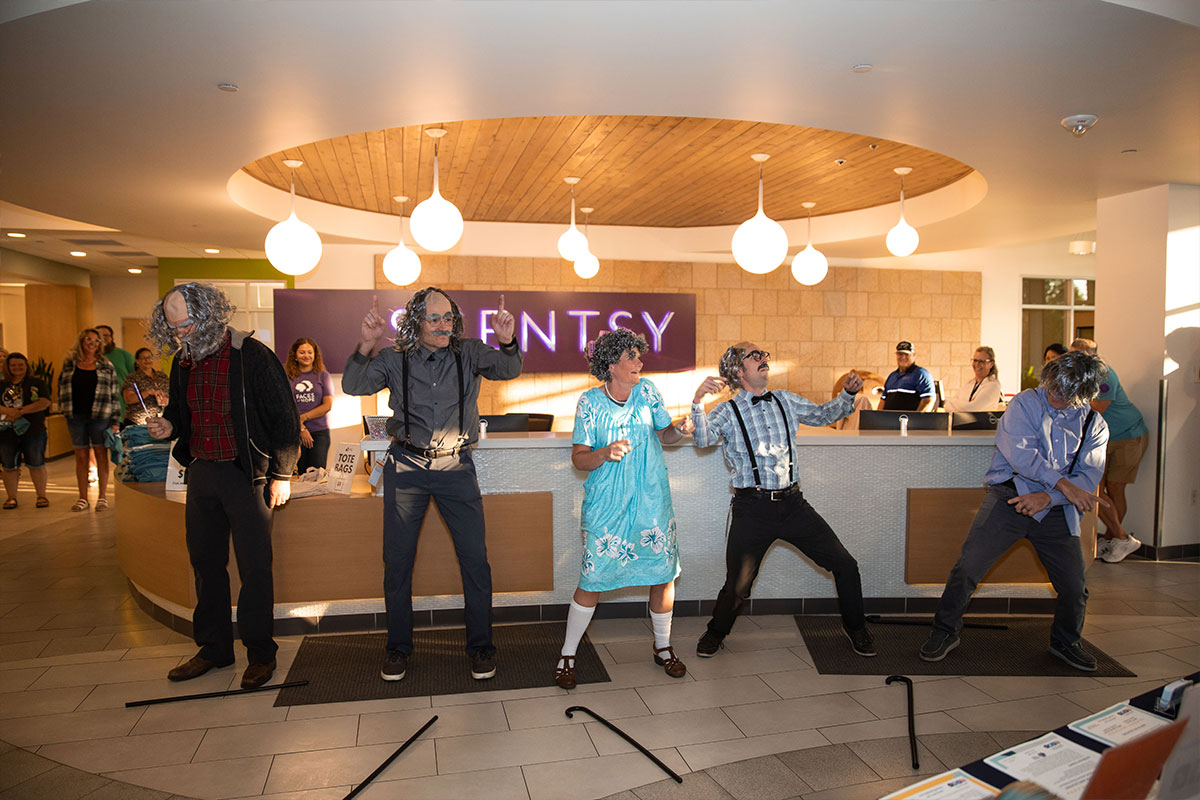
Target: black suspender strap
749,446
787,431
404,371
1087,423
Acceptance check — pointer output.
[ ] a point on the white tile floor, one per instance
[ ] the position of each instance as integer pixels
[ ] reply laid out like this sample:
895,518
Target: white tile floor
757,721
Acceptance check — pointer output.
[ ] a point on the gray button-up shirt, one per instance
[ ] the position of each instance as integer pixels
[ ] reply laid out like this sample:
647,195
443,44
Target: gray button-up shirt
433,387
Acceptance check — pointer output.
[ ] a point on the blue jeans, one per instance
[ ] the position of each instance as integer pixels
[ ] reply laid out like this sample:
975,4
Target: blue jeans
86,432
409,480
29,447
996,528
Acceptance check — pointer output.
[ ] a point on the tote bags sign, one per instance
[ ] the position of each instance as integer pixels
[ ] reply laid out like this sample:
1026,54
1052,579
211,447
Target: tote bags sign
552,327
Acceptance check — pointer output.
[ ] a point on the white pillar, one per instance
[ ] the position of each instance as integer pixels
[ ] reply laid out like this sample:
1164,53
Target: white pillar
1148,327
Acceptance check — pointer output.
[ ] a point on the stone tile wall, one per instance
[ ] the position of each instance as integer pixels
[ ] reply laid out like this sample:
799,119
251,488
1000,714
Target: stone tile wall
852,319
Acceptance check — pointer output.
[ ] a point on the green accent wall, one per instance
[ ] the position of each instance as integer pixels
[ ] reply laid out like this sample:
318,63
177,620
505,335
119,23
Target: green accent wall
216,269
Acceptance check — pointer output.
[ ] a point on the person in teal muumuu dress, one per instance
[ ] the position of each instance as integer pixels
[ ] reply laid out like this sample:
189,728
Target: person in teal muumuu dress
627,518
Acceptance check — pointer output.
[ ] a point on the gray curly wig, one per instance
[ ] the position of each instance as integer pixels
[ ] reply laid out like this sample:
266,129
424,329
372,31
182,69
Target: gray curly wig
1075,376
408,333
610,347
208,308
730,365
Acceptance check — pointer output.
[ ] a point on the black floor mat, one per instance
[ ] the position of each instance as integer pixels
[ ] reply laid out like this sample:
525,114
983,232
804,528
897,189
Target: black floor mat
1020,650
346,667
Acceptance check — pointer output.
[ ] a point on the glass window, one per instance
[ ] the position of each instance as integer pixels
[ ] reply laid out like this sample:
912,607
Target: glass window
1054,310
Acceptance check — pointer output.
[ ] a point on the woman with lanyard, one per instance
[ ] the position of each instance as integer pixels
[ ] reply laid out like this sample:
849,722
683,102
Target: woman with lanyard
23,403
88,397
627,517
982,392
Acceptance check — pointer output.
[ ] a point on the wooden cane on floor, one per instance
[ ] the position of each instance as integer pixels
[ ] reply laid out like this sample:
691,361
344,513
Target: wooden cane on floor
627,738
912,723
203,695
390,759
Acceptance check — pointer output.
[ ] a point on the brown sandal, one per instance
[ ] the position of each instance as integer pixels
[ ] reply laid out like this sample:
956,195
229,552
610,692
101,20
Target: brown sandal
42,502
671,664
564,676
10,504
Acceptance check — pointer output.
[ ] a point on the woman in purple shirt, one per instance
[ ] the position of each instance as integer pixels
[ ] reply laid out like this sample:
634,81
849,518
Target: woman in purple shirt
313,389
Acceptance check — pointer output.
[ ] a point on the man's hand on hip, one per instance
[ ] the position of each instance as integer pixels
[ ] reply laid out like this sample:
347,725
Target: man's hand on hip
278,492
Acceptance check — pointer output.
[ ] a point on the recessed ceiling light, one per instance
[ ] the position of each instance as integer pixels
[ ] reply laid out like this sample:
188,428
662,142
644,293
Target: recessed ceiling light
212,251
78,253
135,271
227,87
16,235
862,68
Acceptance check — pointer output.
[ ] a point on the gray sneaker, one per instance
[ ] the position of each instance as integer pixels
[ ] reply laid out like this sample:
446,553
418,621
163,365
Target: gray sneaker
938,645
1074,655
395,665
1119,548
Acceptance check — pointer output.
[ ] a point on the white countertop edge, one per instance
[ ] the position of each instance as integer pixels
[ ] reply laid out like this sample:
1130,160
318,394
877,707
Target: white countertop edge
818,437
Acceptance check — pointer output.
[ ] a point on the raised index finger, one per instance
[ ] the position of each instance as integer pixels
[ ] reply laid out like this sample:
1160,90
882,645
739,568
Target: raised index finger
500,307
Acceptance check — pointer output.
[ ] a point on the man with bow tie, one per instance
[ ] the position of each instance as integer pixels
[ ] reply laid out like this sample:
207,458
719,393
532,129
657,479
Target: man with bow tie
757,428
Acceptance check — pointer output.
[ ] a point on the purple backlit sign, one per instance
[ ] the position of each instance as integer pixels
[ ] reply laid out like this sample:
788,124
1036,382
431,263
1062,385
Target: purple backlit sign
552,327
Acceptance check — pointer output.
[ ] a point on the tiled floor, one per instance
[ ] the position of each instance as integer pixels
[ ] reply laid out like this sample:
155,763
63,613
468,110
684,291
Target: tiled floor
756,722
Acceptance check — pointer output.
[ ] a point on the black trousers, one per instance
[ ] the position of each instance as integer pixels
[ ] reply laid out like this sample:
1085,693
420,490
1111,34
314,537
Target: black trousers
997,527
757,524
409,480
315,456
221,501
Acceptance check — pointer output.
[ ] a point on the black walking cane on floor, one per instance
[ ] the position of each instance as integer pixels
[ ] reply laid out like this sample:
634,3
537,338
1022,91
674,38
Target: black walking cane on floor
912,723
204,695
624,736
390,759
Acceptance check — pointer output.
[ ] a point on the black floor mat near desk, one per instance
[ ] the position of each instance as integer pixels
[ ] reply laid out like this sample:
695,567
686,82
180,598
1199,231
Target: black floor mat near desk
1020,650
341,668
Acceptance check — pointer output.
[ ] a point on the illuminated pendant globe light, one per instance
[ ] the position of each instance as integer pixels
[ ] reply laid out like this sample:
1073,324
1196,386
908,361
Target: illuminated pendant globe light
401,266
810,266
587,265
902,240
759,244
435,223
572,245
292,246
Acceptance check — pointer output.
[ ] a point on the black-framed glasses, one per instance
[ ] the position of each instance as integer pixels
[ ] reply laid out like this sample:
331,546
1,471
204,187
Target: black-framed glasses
434,319
758,355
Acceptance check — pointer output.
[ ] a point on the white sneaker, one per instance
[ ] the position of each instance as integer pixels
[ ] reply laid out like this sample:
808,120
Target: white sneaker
1121,548
1103,547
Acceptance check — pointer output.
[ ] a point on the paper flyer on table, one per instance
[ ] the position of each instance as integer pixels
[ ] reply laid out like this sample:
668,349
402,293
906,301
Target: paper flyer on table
1050,761
952,785
1118,724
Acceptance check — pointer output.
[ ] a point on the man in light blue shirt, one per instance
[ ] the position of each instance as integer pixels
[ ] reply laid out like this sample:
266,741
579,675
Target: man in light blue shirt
1050,452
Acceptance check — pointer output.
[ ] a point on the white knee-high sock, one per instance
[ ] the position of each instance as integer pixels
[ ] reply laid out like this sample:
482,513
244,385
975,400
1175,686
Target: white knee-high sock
577,621
662,628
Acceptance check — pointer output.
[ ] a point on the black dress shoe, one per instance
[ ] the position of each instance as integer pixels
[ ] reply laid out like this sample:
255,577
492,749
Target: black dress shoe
258,674
194,668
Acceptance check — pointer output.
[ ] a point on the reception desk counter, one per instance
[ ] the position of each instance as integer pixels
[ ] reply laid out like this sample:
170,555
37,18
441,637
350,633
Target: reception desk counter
901,505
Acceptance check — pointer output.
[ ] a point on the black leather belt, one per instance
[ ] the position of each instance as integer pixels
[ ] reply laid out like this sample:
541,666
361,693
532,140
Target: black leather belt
774,495
1008,484
430,453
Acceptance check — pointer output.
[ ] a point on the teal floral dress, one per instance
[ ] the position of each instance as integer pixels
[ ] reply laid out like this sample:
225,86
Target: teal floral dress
628,520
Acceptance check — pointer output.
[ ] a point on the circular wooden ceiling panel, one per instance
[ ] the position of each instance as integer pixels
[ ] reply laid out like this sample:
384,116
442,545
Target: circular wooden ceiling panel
673,172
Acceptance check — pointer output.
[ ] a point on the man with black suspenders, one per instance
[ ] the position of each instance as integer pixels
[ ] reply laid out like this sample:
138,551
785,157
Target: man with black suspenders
1050,450
757,428
433,374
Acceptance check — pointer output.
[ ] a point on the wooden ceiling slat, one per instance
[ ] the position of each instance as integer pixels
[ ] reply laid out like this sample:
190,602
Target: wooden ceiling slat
635,170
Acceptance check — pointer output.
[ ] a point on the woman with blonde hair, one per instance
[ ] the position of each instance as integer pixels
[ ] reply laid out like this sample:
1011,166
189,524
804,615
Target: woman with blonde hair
982,392
313,389
89,396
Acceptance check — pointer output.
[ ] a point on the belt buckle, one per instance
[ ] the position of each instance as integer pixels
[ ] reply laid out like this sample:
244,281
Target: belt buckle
775,495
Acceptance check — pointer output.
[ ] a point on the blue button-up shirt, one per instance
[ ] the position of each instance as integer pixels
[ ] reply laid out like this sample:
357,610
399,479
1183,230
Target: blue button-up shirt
1035,444
764,424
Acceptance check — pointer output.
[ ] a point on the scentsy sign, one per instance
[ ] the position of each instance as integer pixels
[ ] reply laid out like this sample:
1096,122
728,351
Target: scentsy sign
552,327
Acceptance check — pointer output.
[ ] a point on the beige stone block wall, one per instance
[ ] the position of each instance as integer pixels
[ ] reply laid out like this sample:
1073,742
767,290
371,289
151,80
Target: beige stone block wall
853,319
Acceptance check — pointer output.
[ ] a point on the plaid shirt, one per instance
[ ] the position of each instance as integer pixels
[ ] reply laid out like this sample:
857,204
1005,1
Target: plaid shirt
764,424
106,406
208,400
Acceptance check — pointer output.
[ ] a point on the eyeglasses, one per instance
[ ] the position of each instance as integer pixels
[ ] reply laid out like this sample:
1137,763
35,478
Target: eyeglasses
91,340
434,319
981,361
758,355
